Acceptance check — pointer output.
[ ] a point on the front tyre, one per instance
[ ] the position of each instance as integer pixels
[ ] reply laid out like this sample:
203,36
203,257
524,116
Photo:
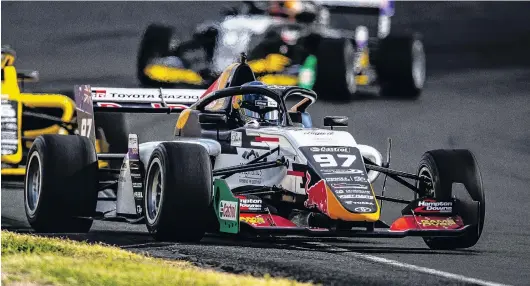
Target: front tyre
401,66
443,168
335,69
178,192
60,188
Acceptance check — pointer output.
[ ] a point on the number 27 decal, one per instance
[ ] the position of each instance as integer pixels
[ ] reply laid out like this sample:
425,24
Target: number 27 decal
328,160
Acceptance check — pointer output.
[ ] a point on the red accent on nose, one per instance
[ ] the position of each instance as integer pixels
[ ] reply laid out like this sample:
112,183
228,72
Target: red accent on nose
267,139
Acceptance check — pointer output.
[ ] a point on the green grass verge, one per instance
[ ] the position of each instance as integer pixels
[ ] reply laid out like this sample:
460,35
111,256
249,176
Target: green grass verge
34,260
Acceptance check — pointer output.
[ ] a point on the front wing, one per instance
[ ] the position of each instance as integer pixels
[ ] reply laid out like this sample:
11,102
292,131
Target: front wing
232,219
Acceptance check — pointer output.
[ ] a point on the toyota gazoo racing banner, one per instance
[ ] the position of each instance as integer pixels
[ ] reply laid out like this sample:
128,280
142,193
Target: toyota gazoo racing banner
145,97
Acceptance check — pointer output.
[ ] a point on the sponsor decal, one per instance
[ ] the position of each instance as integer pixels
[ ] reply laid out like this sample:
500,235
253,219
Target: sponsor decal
356,197
109,105
9,135
122,95
251,204
169,105
250,181
132,151
236,139
261,103
138,195
434,206
349,186
349,191
341,171
137,185
438,222
227,210
359,203
325,133
99,93
250,177
134,175
339,179
360,179
363,209
327,149
256,220
316,195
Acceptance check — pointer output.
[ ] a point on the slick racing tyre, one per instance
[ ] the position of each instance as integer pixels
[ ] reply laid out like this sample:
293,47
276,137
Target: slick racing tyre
335,69
400,66
155,43
443,168
178,192
61,183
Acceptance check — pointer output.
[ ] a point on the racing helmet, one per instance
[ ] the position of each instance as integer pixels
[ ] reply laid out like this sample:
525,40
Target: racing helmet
296,10
249,107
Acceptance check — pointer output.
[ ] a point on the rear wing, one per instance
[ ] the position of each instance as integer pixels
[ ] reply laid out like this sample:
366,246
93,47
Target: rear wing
131,100
143,100
382,8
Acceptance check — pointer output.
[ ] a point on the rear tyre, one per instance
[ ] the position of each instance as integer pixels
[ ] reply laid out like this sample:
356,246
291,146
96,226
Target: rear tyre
178,192
335,69
401,66
155,43
61,184
443,168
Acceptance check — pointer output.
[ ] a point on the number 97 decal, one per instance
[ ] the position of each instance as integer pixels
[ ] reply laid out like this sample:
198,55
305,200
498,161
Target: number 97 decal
328,160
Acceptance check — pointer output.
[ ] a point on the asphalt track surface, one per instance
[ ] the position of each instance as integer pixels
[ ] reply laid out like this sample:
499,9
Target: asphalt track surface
485,110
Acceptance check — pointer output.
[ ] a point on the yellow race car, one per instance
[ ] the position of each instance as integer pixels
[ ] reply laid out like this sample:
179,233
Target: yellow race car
28,115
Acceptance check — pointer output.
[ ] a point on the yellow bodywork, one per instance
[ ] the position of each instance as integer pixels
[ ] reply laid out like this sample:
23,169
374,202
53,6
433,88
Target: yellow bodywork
170,74
11,91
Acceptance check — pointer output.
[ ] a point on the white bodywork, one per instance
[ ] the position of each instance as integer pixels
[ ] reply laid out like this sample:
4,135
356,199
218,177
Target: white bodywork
235,34
289,140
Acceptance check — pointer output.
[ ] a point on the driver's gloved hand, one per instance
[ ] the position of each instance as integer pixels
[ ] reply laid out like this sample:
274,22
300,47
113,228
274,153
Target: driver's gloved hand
252,124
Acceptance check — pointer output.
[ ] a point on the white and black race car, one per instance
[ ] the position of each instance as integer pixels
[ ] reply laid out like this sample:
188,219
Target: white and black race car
273,174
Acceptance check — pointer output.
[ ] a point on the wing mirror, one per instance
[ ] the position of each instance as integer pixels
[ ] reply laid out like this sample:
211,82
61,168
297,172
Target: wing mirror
28,76
214,119
336,121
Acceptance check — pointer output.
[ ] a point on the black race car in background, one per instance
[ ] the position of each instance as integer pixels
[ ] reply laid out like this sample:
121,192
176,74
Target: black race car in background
290,44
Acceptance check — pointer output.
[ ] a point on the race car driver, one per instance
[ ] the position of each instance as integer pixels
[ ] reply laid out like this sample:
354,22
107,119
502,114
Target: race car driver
255,110
296,11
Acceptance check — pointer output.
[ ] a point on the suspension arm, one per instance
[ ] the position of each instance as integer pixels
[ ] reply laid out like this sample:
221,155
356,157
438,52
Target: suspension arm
249,167
396,175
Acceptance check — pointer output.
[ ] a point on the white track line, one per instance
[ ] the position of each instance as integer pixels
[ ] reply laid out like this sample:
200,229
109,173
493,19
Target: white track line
412,267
